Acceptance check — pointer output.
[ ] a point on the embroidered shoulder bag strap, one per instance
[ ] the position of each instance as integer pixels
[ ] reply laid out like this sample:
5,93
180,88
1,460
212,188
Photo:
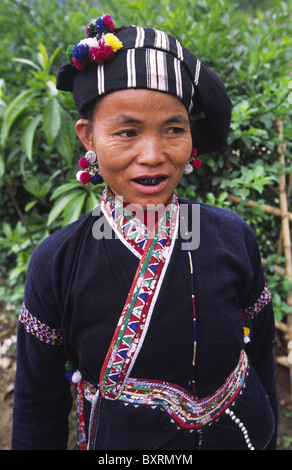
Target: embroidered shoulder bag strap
154,251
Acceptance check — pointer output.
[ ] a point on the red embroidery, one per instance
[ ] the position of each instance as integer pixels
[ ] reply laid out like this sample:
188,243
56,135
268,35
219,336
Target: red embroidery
40,330
264,299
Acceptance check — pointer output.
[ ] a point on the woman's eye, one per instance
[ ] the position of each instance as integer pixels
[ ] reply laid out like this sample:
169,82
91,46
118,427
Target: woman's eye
175,130
127,133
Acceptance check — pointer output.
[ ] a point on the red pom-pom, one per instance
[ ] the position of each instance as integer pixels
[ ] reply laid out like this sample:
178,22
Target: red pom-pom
83,163
109,22
79,65
194,152
196,163
85,178
101,53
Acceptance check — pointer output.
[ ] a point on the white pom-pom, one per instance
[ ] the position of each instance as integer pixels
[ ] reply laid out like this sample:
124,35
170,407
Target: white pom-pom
78,174
91,42
246,339
76,377
188,169
90,156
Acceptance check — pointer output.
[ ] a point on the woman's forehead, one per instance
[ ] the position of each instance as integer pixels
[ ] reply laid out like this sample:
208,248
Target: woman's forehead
134,105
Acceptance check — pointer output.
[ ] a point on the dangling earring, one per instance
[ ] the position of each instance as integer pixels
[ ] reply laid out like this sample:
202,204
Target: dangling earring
193,163
90,173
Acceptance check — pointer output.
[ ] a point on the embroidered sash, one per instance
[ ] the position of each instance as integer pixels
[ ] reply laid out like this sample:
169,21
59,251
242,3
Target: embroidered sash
154,250
183,408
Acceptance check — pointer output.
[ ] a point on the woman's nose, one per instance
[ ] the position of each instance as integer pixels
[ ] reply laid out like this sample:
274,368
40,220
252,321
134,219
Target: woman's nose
152,152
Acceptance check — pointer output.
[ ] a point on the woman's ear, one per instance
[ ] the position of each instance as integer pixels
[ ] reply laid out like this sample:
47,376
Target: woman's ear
84,131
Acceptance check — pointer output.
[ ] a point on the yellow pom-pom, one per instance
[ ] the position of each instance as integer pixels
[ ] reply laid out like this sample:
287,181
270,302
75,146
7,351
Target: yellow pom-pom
112,40
246,331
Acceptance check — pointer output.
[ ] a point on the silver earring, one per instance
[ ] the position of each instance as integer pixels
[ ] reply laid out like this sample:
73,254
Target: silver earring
90,173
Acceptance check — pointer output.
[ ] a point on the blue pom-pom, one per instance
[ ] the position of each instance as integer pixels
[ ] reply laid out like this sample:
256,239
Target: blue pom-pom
68,375
80,52
97,179
100,25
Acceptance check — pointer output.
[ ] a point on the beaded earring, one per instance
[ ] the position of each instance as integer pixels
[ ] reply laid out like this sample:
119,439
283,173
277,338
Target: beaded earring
193,163
90,173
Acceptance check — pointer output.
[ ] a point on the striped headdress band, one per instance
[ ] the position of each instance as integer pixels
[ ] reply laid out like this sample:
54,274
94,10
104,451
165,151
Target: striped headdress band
151,59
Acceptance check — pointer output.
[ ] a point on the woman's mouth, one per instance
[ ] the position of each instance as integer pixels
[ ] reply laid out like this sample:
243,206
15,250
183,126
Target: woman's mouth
150,181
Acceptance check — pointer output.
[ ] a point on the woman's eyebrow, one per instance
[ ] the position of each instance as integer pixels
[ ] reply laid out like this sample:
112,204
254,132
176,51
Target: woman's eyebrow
124,119
127,119
179,119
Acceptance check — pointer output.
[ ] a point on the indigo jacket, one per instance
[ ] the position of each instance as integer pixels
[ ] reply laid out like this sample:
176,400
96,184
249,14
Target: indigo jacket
75,291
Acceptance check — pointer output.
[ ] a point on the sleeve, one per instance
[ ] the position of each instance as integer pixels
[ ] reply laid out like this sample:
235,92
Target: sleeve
42,398
259,326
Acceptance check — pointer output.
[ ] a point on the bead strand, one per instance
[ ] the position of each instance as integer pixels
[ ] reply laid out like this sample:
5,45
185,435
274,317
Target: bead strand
241,427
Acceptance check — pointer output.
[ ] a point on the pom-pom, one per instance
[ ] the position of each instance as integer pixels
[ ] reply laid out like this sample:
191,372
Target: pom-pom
79,65
83,163
246,334
69,53
76,377
196,163
97,179
109,22
113,41
99,45
85,177
194,153
80,52
99,25
101,53
69,375
90,30
68,366
78,175
90,42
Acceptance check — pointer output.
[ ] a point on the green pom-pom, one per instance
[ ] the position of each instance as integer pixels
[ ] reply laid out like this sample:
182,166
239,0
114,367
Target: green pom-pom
69,367
91,31
69,54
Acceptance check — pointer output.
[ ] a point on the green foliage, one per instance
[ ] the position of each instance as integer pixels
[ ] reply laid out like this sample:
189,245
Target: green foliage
247,43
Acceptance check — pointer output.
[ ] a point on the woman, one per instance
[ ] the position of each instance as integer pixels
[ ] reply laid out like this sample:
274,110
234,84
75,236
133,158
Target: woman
159,304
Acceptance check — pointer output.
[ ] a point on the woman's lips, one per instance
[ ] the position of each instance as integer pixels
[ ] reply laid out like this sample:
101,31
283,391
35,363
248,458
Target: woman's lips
150,181
150,184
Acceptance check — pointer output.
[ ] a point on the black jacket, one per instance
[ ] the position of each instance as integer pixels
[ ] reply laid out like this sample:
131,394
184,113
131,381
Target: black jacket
75,291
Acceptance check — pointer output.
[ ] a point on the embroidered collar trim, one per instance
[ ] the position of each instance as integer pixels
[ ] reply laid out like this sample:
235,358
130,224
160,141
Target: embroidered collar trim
154,250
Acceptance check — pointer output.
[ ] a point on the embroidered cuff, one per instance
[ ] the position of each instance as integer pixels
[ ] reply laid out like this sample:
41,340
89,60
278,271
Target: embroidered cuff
264,299
40,330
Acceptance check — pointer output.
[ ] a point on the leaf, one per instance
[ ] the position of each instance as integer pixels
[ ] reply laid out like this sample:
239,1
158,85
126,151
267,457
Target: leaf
74,209
27,62
28,136
65,188
45,189
60,205
2,166
92,202
13,111
43,56
66,139
7,230
54,55
30,205
52,120
32,186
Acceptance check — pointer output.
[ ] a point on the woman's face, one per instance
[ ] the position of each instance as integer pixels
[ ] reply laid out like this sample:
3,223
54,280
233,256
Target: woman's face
142,140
